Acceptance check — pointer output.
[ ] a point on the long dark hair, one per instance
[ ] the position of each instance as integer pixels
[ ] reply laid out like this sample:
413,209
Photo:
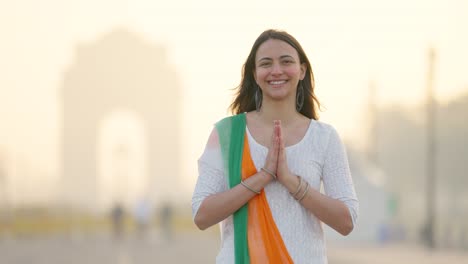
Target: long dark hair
245,94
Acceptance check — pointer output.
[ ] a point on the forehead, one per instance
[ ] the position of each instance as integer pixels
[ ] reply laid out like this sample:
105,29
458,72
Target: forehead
275,48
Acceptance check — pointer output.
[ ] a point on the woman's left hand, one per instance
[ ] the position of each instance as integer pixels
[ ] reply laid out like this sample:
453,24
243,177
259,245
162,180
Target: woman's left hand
283,173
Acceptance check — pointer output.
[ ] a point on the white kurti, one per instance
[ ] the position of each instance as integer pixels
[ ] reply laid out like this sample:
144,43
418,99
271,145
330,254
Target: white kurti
320,157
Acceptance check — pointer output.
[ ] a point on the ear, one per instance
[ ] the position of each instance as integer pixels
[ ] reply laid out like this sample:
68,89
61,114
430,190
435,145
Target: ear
303,70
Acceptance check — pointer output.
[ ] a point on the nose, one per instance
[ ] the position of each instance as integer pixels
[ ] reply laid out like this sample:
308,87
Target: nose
276,69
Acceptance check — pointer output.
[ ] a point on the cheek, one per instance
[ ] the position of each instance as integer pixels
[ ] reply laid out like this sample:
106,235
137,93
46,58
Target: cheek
296,72
260,74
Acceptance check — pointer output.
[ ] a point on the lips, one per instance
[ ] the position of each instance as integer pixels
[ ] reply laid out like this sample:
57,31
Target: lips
279,82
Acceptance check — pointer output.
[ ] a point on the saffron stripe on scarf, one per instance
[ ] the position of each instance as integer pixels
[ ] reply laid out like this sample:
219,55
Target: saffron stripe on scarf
264,239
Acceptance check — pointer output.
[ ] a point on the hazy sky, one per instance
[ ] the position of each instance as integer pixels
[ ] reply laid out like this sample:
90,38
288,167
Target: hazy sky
349,44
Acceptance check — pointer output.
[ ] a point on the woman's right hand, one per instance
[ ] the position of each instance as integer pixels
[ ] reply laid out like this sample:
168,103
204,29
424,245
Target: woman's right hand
271,161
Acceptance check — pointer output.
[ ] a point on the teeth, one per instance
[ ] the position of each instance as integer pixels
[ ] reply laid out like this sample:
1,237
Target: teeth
277,82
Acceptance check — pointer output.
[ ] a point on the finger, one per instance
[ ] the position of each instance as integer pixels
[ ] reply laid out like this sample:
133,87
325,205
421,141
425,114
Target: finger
280,129
277,146
275,142
276,127
277,136
279,133
282,147
273,150
273,136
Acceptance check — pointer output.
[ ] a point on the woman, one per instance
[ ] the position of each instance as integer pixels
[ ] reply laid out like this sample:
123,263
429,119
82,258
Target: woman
261,171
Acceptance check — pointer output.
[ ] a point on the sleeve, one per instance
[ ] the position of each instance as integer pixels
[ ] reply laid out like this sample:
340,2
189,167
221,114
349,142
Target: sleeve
211,178
337,181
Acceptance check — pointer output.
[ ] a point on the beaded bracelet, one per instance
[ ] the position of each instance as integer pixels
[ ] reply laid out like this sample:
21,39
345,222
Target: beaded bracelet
269,172
248,187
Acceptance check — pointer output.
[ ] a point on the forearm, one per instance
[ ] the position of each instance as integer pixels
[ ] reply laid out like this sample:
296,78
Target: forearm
331,211
219,206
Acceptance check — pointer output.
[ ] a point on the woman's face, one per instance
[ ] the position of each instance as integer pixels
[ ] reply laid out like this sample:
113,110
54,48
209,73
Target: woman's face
278,70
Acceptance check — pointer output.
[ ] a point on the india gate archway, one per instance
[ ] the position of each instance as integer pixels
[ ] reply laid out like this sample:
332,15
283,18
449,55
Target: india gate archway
121,123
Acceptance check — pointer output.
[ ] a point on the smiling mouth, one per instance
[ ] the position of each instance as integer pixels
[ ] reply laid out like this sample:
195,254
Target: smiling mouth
277,82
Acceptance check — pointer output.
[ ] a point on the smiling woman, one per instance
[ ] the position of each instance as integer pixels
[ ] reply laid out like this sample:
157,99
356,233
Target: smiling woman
257,175
278,71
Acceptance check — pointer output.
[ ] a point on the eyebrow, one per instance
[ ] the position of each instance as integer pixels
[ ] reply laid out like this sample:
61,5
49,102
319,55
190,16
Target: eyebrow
281,57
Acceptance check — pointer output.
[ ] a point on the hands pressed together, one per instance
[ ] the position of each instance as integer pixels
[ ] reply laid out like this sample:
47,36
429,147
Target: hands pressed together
276,161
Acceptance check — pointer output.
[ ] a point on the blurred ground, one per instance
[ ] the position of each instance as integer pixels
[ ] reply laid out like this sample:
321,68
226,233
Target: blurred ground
188,246
397,253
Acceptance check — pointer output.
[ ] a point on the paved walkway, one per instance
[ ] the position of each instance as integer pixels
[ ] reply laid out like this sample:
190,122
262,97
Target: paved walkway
104,249
390,254
189,247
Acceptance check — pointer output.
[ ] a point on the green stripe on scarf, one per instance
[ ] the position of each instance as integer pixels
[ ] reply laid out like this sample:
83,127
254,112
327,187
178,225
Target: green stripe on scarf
231,131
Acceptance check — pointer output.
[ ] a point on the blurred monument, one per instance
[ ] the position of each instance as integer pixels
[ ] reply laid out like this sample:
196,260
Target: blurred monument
120,115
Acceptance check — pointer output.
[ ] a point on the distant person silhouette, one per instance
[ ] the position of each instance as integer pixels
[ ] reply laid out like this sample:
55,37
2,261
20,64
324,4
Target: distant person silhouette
117,219
142,215
166,218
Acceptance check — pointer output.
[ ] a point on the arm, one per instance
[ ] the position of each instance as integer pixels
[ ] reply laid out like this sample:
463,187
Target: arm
337,209
212,201
217,207
332,212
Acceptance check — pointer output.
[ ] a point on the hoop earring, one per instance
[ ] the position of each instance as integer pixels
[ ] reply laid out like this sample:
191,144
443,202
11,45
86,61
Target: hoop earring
299,96
258,99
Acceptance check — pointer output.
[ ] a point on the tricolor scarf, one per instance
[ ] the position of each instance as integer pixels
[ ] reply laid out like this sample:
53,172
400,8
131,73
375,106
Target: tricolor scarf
256,237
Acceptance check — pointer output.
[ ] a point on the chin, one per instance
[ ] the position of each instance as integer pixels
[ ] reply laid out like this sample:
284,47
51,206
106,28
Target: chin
279,96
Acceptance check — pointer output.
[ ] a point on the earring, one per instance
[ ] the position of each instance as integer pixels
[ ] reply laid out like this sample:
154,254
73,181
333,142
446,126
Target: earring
258,99
299,96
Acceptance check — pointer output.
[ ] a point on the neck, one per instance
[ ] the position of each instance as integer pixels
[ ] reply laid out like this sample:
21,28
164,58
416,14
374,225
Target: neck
278,110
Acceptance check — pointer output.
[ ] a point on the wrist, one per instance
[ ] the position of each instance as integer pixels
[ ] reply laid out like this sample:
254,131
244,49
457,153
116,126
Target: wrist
265,177
290,181
269,172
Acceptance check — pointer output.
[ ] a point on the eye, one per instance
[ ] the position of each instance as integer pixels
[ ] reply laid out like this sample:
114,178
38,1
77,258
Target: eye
288,61
264,64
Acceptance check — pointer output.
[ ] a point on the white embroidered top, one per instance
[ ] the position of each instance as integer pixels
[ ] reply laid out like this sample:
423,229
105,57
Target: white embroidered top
320,157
